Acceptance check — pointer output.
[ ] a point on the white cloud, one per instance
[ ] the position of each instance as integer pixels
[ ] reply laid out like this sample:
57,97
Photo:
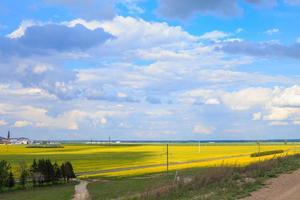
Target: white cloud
214,35
298,40
278,123
41,68
3,122
202,129
133,32
212,101
22,28
257,116
239,30
20,124
283,107
272,31
103,120
247,98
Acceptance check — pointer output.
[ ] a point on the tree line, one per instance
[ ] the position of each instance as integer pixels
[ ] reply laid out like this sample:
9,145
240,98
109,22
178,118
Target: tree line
41,172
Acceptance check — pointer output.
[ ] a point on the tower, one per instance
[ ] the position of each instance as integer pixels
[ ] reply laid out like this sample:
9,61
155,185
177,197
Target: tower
8,135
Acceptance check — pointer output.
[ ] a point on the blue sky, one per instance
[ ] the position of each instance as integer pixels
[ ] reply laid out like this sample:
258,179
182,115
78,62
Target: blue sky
148,70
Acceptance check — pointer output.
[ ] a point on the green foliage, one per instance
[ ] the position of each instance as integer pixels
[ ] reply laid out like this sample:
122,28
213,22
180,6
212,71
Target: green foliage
266,153
43,171
57,172
23,174
56,192
11,180
67,171
4,173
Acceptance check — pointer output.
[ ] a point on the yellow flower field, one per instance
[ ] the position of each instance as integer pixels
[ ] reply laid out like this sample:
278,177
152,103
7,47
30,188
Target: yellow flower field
94,158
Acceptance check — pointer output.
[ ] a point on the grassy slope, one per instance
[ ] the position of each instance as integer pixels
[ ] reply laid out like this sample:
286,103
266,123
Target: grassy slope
57,192
207,183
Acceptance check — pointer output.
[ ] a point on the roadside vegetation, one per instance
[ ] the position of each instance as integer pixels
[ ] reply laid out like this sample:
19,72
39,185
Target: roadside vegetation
221,182
41,173
49,192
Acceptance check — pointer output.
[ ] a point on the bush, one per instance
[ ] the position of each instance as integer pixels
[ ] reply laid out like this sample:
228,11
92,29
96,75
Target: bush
266,153
4,173
11,180
67,171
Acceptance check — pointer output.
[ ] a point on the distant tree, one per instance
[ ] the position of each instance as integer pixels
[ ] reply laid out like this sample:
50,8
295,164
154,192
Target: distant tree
11,180
63,172
4,173
57,172
23,174
67,171
49,171
33,171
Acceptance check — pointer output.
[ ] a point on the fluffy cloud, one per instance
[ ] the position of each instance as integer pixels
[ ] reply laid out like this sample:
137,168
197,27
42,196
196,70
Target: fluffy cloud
180,9
20,124
214,35
282,108
247,98
202,129
183,9
39,117
256,116
59,38
3,122
272,31
264,49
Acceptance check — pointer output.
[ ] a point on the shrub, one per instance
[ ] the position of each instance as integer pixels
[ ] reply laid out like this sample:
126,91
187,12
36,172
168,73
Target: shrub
11,180
266,153
23,174
4,173
67,171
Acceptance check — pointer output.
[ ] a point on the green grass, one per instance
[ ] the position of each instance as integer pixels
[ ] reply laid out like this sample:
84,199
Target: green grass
55,192
206,183
265,153
115,188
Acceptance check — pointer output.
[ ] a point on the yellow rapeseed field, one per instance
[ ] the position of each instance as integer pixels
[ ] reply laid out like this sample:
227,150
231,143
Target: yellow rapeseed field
94,158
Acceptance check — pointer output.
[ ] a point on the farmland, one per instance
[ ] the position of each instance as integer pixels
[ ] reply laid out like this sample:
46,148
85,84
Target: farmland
107,160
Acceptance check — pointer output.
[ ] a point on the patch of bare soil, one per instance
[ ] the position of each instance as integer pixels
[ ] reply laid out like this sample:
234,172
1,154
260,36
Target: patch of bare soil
81,191
284,187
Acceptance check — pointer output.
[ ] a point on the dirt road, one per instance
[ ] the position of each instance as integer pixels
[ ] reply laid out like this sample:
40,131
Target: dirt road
81,192
284,187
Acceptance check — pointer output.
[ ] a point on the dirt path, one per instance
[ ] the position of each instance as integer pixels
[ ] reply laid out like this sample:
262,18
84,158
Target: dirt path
81,192
284,187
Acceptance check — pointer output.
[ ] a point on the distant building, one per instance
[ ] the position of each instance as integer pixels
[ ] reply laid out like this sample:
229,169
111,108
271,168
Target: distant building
3,140
9,140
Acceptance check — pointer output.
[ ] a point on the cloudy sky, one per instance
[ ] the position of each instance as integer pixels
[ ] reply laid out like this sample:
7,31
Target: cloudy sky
141,69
